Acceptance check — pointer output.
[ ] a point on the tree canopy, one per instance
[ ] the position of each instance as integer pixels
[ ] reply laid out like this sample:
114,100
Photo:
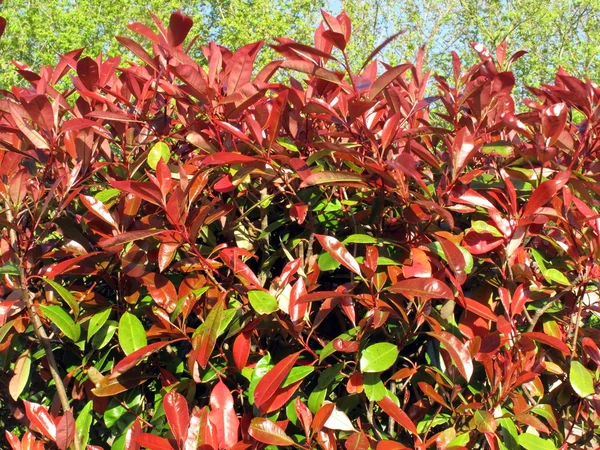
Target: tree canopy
556,33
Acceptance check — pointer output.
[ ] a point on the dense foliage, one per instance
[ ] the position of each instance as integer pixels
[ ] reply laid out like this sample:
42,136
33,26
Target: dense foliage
197,256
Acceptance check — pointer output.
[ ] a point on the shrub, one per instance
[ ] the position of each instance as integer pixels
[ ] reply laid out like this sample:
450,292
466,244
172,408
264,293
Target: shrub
196,256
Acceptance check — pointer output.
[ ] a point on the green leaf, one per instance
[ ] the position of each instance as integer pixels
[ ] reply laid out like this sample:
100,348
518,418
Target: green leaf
483,227
158,151
316,399
581,379
296,374
65,294
361,239
226,318
105,196
327,262
104,335
63,321
10,268
533,442
556,276
97,321
499,148
378,357
132,335
83,423
374,387
263,302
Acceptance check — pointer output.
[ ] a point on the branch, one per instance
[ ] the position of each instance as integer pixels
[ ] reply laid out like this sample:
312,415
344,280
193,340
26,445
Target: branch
38,327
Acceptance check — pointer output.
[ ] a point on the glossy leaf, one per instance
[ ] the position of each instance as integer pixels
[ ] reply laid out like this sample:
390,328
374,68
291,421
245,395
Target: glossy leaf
378,357
267,432
394,411
131,333
458,352
273,379
206,335
263,302
581,379
337,250
422,287
223,415
62,320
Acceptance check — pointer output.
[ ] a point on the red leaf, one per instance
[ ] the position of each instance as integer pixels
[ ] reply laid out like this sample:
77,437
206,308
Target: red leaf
273,380
267,432
60,268
143,189
98,209
591,349
388,77
198,432
223,415
321,416
241,349
479,243
455,258
132,433
357,441
548,340
337,250
311,69
153,442
394,411
280,397
240,66
41,419
230,257
176,410
554,118
65,430
179,27
420,266
304,416
463,149
137,50
545,192
88,72
227,158
161,290
391,445
422,287
457,351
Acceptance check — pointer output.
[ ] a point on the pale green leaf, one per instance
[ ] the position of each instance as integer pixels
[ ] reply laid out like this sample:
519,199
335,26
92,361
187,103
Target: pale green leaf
132,335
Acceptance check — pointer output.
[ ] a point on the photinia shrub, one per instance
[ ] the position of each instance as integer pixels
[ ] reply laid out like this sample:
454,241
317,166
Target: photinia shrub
196,256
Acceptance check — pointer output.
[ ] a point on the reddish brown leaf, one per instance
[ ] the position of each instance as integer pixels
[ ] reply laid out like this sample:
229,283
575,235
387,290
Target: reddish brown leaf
197,434
143,189
273,380
226,158
551,341
162,290
267,432
422,287
223,415
89,73
65,430
457,351
357,441
310,68
179,27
